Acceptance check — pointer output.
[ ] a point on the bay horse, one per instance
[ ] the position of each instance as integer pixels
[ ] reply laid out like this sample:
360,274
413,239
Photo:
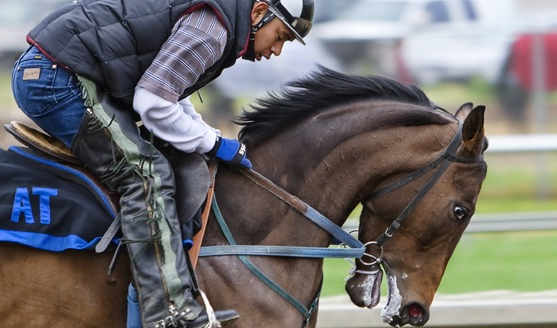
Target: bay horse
334,141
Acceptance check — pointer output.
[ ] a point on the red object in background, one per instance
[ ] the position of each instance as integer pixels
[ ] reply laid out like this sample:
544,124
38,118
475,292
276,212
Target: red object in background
522,66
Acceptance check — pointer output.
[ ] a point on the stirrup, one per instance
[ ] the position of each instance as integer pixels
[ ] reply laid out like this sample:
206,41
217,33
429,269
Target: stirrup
211,318
212,321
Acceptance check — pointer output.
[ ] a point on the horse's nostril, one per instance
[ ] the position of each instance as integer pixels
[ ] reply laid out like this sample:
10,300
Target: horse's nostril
417,315
415,310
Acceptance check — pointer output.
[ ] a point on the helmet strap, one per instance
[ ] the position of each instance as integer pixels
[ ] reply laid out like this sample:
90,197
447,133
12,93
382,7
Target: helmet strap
250,53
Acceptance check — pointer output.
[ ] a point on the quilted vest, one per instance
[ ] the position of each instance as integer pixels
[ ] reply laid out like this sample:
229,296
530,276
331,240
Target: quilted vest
113,42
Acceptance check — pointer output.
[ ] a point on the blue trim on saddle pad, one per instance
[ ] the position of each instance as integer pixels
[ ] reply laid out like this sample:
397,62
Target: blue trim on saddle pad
47,242
104,200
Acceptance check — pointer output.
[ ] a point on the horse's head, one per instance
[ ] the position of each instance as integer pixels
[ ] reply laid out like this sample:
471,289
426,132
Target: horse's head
414,255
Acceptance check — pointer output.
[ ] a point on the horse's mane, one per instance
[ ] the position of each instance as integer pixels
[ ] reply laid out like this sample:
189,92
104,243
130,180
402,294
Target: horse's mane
316,93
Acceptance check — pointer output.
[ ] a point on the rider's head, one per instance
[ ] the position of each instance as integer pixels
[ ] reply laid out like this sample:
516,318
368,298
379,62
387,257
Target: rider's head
273,25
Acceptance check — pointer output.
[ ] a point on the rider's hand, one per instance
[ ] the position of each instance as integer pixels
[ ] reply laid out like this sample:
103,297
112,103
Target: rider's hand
230,151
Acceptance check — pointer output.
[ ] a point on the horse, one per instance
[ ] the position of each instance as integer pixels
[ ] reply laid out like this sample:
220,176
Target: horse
334,141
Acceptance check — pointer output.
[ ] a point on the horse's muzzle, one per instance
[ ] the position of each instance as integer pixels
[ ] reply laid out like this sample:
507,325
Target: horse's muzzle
412,313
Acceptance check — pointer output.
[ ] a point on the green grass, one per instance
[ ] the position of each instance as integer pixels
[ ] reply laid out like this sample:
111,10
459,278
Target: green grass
513,184
521,261
524,261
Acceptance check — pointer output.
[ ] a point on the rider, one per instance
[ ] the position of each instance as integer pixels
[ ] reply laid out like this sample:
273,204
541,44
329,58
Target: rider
148,55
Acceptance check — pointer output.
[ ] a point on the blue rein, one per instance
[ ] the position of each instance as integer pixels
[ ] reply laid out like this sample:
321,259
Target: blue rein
356,249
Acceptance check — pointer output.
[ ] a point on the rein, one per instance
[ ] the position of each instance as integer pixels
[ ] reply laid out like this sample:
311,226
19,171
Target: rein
341,237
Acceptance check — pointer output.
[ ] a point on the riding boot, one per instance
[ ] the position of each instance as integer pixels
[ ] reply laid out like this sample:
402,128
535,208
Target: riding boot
109,145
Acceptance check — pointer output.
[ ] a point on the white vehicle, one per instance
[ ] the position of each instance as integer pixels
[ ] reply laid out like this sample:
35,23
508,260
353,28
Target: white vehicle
462,50
372,20
372,31
457,52
465,50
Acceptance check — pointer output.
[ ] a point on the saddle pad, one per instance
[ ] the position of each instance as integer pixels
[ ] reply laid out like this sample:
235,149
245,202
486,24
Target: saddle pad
47,205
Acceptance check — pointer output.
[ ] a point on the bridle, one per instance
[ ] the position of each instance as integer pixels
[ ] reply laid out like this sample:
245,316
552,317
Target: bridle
441,164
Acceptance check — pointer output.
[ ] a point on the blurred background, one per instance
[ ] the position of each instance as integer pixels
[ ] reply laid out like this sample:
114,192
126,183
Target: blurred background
501,53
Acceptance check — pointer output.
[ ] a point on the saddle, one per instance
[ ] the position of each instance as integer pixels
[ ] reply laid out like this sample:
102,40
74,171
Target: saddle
191,171
41,142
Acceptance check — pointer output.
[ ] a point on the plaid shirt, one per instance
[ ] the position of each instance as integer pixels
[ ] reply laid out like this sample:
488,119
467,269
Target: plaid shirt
196,43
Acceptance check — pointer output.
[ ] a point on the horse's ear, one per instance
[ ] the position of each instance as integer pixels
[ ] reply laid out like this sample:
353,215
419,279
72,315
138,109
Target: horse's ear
473,141
464,110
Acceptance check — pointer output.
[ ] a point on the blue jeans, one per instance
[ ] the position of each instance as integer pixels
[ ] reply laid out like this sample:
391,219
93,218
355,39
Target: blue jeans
48,94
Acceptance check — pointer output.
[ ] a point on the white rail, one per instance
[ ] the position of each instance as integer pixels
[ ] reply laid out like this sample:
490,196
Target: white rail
513,222
522,143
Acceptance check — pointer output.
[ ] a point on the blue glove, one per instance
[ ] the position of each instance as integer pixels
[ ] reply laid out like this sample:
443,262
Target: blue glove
230,151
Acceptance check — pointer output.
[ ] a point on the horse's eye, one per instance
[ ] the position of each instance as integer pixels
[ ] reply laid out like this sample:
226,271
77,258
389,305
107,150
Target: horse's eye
460,213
